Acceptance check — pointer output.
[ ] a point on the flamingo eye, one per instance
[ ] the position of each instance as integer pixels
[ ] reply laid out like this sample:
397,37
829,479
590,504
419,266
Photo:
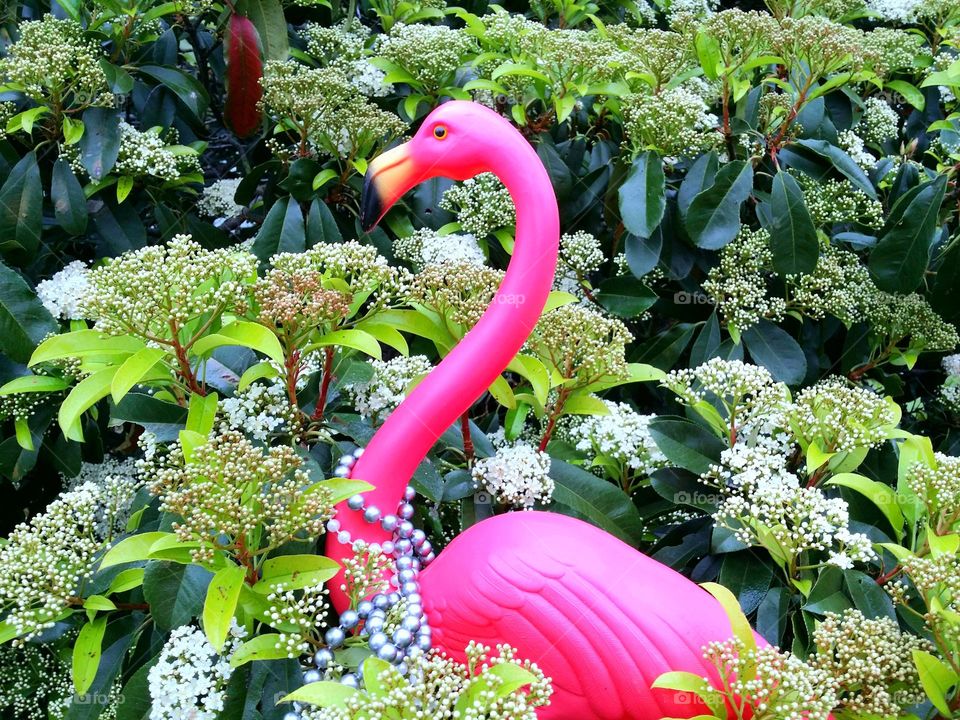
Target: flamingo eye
440,132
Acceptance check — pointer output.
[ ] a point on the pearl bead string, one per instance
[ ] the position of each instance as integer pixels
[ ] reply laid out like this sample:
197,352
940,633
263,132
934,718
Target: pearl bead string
411,552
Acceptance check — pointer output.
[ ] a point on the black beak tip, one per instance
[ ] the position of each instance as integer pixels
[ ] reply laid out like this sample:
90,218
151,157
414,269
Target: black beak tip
370,206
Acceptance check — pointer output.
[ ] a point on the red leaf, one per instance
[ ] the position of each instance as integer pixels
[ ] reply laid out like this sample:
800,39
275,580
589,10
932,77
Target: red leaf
244,70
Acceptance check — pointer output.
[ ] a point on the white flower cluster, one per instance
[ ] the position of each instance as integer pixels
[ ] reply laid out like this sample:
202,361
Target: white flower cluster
938,487
580,257
259,410
427,247
189,679
782,686
676,122
854,146
951,365
518,474
146,153
622,435
431,53
386,389
766,504
879,121
36,683
117,482
61,294
869,663
216,200
482,204
901,11
842,417
44,560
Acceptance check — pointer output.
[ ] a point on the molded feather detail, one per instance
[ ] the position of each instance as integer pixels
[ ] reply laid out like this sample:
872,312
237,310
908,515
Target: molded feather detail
244,71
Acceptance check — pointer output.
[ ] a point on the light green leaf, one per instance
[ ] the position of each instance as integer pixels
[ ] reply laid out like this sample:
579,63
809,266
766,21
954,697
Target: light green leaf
295,572
270,646
353,338
881,495
221,604
325,694
132,549
134,369
246,334
84,395
84,343
34,383
86,653
201,414
739,624
937,678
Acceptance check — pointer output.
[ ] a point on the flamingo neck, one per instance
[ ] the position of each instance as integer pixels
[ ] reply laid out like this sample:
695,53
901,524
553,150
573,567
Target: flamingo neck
399,446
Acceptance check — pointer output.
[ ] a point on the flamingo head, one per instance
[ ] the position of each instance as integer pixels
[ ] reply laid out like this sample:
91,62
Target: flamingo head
458,140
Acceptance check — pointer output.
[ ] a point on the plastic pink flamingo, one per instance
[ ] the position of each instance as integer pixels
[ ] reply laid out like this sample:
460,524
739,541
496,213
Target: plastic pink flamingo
600,618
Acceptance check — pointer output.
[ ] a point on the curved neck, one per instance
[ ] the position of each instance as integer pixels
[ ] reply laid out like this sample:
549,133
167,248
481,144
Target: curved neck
404,440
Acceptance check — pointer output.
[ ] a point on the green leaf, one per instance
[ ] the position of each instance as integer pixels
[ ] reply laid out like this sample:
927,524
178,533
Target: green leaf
223,592
776,350
100,144
342,488
325,694
686,444
263,647
713,218
84,343
267,16
373,667
625,296
69,202
793,236
243,333
841,161
98,602
738,621
84,395
582,403
938,680
24,321
351,338
900,258
132,549
295,572
134,369
687,682
175,592
283,230
909,92
870,598
881,495
642,197
699,177
34,383
86,653
186,88
21,208
584,495
202,413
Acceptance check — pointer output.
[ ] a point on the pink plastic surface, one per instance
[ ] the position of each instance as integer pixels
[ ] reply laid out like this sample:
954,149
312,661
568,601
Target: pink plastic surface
600,618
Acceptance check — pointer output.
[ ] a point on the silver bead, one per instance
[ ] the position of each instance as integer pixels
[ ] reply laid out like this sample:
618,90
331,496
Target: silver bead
409,493
374,625
323,658
403,668
405,511
415,598
389,548
350,680
347,460
424,642
364,608
291,716
389,522
380,601
393,598
418,537
377,641
405,529
334,637
388,652
349,619
341,471
404,546
371,514
410,624
429,558
355,502
415,610
312,676
358,452
343,537
426,548
404,563
411,586
426,629
401,638
333,525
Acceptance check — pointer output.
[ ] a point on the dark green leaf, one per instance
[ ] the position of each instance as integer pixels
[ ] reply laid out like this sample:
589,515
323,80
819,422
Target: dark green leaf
713,218
777,351
686,444
643,254
21,209
69,202
700,176
321,227
746,576
772,614
870,598
642,195
582,494
175,592
625,296
24,321
100,144
793,236
283,230
186,88
841,161
900,258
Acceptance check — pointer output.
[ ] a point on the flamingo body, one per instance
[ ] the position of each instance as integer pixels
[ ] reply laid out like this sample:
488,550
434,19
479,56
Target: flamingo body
600,618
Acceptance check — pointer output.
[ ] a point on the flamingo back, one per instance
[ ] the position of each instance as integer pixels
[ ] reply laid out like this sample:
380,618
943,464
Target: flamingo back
600,618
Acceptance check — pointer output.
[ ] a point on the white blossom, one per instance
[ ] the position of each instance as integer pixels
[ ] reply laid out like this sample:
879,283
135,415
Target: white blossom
216,200
61,294
386,389
518,474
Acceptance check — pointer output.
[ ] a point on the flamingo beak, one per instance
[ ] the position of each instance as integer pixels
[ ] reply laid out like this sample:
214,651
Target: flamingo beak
388,177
